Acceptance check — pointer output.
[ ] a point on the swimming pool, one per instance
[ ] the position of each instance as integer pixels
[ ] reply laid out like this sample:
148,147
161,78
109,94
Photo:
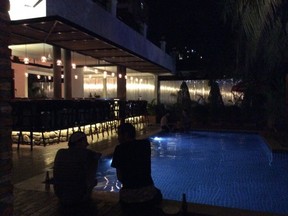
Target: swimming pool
235,170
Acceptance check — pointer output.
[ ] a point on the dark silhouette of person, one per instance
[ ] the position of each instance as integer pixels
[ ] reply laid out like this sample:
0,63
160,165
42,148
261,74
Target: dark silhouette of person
74,172
132,160
164,123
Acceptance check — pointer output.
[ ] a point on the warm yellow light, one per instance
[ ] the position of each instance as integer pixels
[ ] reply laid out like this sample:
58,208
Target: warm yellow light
73,65
58,62
26,60
43,59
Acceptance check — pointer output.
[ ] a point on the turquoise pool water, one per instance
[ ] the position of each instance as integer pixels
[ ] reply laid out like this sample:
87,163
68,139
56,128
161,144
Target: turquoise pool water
235,170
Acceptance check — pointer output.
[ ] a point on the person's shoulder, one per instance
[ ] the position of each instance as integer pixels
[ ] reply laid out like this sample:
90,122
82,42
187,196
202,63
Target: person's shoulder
93,153
61,151
143,142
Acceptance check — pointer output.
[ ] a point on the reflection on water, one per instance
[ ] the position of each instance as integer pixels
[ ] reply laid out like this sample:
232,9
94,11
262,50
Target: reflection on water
234,170
106,176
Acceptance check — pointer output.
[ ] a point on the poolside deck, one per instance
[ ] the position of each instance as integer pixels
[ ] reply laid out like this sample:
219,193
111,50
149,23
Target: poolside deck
30,202
31,198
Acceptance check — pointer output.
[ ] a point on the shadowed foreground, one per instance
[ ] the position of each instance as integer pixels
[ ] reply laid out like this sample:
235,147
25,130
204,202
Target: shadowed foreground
30,202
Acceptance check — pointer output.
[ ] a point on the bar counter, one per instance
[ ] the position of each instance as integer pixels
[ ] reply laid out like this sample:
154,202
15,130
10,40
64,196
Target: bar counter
34,118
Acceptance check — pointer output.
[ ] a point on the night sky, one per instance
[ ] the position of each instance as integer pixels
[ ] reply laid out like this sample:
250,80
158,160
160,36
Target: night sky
197,24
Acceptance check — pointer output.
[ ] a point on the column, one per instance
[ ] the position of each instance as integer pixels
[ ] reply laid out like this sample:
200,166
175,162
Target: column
163,44
157,89
286,103
114,7
104,86
6,89
121,83
67,75
121,92
57,73
144,29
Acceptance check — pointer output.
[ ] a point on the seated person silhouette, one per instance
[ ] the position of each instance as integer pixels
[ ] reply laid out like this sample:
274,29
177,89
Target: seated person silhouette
132,160
74,173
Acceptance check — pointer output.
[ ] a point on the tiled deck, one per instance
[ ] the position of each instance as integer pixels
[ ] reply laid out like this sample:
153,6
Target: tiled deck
31,198
31,202
29,171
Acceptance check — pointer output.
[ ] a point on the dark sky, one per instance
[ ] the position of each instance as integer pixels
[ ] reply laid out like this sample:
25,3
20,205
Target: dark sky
196,23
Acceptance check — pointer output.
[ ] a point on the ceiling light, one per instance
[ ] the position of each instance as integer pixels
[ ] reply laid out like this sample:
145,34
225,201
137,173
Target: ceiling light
58,62
26,60
43,59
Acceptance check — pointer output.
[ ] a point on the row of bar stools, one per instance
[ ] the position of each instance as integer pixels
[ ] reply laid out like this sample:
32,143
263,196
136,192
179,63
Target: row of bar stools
101,116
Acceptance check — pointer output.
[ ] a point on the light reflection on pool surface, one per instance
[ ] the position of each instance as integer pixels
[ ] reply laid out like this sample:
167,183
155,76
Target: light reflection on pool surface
235,170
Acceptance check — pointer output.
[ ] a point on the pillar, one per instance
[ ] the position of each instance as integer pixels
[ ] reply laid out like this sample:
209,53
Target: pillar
121,83
144,30
6,89
121,92
67,75
163,44
113,8
286,102
57,73
104,86
157,89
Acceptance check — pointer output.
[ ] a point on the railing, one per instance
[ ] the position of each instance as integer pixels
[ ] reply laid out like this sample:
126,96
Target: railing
33,118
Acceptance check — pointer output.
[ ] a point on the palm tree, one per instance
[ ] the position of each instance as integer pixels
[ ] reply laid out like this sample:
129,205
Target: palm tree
6,188
260,31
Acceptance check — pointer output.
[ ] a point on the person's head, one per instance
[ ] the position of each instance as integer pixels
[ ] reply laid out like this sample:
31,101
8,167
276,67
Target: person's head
126,132
78,140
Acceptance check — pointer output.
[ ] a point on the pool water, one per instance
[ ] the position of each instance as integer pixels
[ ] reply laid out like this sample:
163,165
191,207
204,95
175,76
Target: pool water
235,170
